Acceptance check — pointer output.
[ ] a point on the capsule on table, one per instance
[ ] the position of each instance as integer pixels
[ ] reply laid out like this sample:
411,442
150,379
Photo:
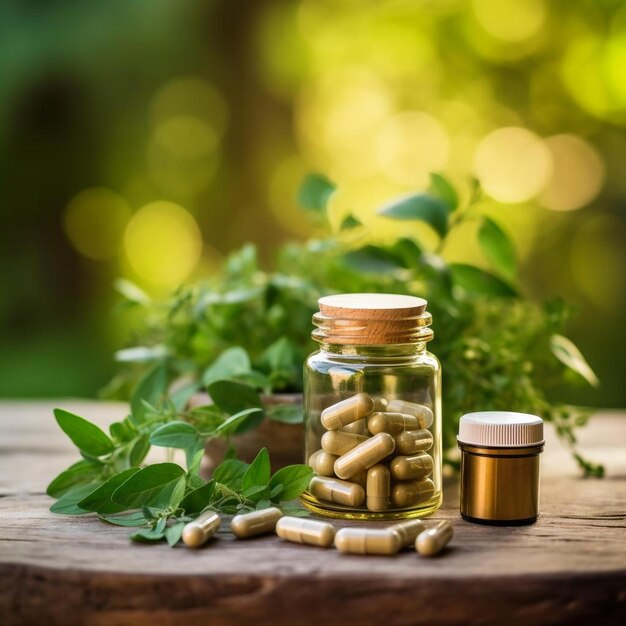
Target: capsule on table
305,531
378,488
412,467
408,531
392,423
366,454
412,441
338,442
433,540
420,411
323,462
367,541
255,523
347,411
359,427
412,492
198,532
337,491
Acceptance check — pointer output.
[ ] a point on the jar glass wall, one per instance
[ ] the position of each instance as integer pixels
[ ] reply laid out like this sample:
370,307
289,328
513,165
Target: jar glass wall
378,454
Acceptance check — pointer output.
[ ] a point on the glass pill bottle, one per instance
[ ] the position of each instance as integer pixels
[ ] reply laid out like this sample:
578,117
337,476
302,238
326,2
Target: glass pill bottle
372,398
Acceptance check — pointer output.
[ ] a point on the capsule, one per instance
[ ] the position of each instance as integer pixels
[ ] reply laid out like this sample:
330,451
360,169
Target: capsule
337,442
433,540
378,488
306,531
198,532
367,541
412,492
393,423
347,411
412,441
359,427
408,531
255,523
323,462
412,467
411,408
380,404
337,491
366,454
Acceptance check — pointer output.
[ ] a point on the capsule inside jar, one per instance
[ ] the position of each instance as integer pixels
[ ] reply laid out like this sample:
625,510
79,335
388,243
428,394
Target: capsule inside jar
412,492
411,467
412,441
338,491
366,454
392,423
378,488
323,462
422,412
347,411
338,442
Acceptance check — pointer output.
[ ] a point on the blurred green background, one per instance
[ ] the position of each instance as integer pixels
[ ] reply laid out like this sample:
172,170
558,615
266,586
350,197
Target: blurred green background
148,139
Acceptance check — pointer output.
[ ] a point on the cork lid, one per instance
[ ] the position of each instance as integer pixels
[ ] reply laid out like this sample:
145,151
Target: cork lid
500,429
372,319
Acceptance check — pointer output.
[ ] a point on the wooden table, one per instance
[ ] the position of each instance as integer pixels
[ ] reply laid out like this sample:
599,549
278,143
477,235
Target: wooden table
569,568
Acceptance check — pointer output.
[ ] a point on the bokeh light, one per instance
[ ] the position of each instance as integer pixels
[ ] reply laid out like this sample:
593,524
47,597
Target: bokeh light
513,164
94,221
510,20
186,137
190,96
163,243
410,145
577,174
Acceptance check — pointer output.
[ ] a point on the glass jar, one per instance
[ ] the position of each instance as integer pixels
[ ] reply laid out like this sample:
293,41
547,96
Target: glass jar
372,400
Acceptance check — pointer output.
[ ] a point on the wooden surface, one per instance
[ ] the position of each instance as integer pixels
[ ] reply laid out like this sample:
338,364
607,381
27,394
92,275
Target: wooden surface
569,568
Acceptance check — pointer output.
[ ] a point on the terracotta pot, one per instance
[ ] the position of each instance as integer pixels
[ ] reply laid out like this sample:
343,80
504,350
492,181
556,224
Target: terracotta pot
284,442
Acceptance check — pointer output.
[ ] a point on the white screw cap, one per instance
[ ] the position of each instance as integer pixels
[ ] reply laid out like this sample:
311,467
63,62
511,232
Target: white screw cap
500,429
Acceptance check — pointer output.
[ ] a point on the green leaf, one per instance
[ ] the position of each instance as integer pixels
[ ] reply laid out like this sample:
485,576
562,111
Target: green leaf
314,193
372,259
256,492
151,389
407,253
140,449
498,247
232,362
194,466
100,499
78,474
566,351
151,534
178,493
240,422
258,472
476,281
67,504
85,435
286,413
141,354
422,207
176,434
174,533
196,500
128,519
152,485
232,396
131,291
294,510
230,473
442,188
294,479
349,222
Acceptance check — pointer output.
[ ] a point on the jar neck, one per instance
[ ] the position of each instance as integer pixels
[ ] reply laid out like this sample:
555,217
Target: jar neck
401,351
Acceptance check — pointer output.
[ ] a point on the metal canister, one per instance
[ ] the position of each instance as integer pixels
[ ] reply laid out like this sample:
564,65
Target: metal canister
500,467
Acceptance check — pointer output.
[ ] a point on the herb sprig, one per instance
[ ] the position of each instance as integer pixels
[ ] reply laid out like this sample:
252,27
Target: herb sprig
158,500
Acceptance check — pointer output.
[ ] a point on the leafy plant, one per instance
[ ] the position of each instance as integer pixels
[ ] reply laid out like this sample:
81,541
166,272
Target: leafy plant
159,499
498,349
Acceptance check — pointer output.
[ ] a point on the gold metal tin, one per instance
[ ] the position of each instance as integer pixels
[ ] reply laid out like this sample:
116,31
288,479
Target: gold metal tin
500,485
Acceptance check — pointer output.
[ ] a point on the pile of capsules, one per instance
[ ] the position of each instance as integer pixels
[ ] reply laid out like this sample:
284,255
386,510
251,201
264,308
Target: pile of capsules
374,454
384,541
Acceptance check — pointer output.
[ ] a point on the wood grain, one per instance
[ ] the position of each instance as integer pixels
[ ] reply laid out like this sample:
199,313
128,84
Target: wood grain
569,568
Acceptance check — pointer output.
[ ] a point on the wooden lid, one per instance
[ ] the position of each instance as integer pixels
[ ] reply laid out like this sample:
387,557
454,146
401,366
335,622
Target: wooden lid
372,319
372,306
